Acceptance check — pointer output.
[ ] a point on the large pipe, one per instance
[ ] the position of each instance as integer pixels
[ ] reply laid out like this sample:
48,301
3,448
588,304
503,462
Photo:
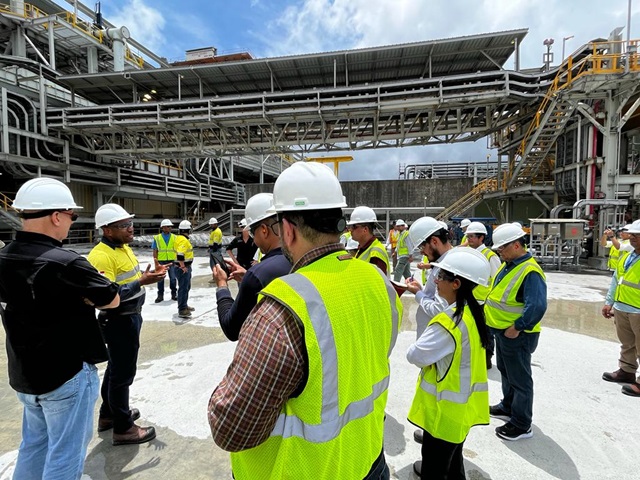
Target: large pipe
596,201
119,37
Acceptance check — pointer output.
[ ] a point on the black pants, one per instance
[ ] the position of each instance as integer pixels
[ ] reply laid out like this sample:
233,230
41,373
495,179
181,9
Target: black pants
122,334
441,460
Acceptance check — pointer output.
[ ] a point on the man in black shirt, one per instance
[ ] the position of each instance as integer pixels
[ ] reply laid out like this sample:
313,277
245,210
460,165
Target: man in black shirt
244,246
273,264
52,356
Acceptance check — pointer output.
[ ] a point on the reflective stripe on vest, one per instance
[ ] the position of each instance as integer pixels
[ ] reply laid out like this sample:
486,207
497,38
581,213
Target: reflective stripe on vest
448,406
501,307
183,245
336,409
166,251
481,292
375,250
628,288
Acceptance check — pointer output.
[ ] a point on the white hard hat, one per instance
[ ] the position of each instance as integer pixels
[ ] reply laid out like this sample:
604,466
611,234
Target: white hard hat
467,263
307,186
465,222
443,224
184,225
166,223
362,215
506,233
422,229
258,208
400,223
44,194
477,227
634,227
627,227
352,244
517,224
213,221
242,223
110,213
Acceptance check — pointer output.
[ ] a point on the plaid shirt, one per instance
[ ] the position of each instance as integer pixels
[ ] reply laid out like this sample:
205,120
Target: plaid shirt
269,366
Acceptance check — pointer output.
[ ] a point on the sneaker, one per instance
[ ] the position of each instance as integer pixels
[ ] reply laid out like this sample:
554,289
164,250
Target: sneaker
184,313
159,299
509,431
619,376
496,411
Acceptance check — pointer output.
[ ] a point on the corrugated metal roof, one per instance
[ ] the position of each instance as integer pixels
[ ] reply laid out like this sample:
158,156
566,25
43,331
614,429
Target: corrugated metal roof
460,55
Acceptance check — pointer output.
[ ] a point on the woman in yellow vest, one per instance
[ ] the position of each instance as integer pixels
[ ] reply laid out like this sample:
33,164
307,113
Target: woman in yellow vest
452,393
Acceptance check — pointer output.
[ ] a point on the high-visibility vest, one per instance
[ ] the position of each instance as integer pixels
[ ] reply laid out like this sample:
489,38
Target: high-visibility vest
393,237
402,243
463,239
183,245
501,308
628,288
118,264
334,428
480,292
614,255
166,251
215,237
447,404
375,250
425,259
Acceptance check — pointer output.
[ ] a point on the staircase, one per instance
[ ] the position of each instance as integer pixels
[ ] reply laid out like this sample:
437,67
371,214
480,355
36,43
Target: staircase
7,215
470,200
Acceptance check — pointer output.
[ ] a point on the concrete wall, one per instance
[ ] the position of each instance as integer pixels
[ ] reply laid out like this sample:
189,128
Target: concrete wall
395,193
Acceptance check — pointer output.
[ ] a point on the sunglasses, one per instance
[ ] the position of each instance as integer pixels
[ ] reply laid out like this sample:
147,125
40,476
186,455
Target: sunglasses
253,228
122,226
74,216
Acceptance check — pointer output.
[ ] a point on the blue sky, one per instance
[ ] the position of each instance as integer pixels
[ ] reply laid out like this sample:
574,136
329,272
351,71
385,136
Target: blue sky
268,28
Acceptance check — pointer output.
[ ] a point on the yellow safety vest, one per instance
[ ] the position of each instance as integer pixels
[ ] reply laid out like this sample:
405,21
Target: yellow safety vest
628,288
614,255
464,239
447,404
425,259
334,428
215,236
402,243
375,250
118,264
183,245
480,292
393,237
501,308
166,251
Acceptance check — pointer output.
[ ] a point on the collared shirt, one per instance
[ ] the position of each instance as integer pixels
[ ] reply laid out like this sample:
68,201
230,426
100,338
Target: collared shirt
269,366
430,302
232,314
245,250
373,260
622,307
532,292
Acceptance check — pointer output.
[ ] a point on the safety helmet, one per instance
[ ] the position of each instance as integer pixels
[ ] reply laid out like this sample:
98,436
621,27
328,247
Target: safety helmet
242,223
362,215
110,213
627,227
465,222
184,225
44,194
506,233
352,244
517,224
213,221
400,223
166,223
443,224
258,208
477,227
468,263
634,227
307,186
422,229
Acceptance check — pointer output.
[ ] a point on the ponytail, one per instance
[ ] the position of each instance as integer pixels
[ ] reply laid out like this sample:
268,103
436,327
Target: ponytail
464,296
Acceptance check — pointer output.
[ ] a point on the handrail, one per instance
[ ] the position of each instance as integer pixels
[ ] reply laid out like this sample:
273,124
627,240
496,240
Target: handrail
5,202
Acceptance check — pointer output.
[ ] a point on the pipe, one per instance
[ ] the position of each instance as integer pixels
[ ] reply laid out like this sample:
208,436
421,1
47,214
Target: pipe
602,201
578,158
119,37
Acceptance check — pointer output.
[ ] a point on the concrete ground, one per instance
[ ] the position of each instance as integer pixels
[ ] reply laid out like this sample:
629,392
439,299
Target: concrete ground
584,428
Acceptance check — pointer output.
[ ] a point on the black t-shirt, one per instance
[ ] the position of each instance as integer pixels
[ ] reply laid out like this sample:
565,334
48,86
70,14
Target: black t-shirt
50,329
246,250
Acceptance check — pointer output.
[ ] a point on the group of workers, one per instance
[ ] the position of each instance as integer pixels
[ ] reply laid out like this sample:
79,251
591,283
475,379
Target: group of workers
305,394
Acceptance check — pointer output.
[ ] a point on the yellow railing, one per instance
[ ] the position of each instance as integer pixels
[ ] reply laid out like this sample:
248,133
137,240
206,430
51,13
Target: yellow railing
5,202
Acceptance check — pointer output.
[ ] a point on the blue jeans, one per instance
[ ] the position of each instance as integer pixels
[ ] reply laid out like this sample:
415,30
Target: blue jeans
171,271
513,358
122,334
403,268
56,429
184,285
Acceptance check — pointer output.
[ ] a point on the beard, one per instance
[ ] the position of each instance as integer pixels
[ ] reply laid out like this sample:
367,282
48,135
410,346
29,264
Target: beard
286,252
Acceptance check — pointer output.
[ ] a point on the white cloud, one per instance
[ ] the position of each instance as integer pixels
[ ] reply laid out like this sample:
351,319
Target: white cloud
145,23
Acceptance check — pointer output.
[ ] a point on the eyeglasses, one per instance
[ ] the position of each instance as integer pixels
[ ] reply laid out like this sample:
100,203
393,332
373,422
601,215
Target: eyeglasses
74,216
253,228
502,247
122,226
445,276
